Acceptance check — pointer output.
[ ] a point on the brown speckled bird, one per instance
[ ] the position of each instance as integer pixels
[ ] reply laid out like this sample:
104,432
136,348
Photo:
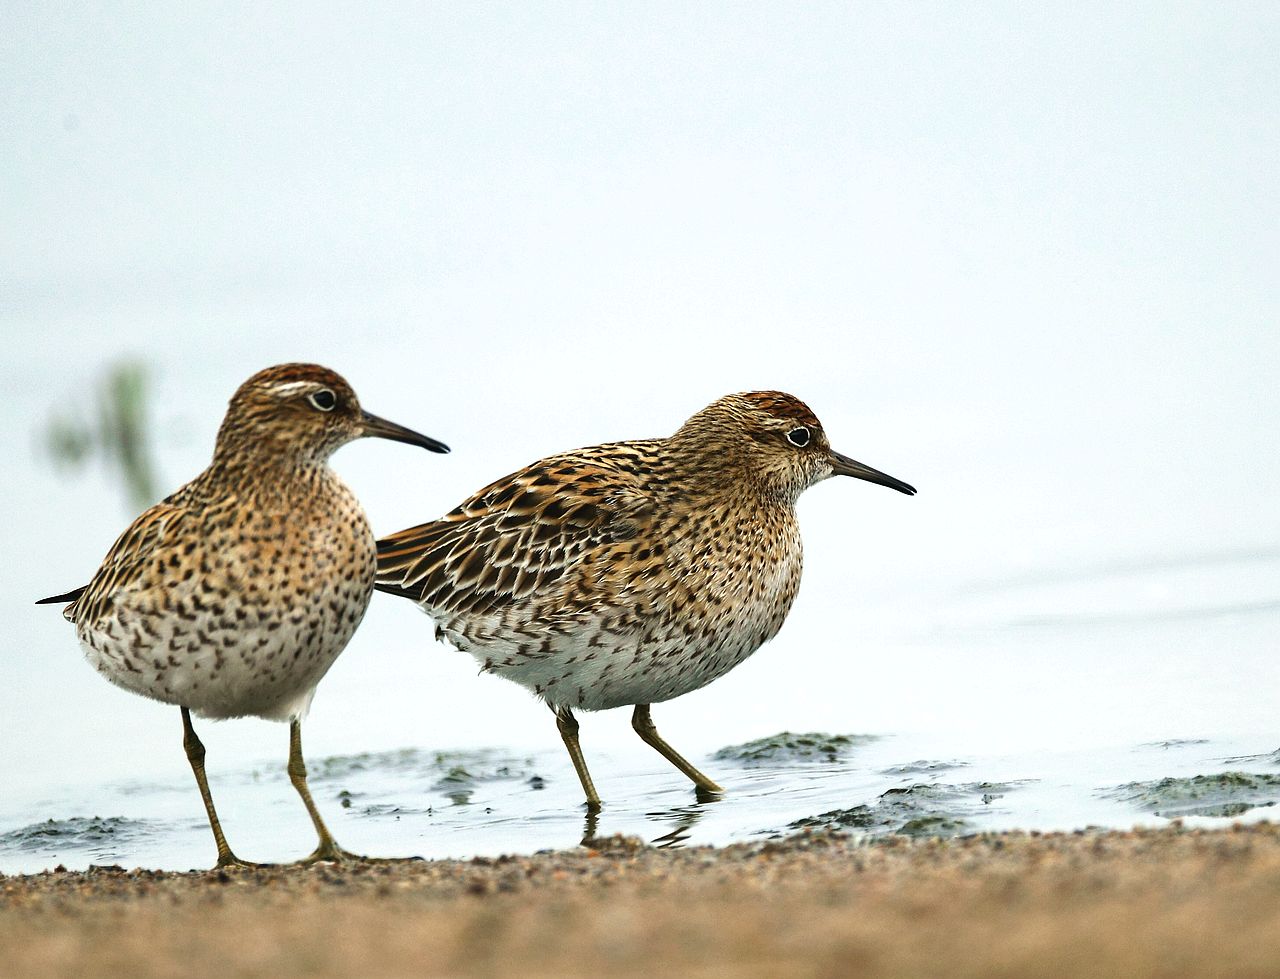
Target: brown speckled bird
628,573
235,595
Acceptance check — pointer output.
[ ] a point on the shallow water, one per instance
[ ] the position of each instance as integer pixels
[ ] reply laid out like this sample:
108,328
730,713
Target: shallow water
461,804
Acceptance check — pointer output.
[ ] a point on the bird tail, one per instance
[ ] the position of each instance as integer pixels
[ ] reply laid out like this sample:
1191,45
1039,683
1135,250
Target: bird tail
402,556
393,589
71,596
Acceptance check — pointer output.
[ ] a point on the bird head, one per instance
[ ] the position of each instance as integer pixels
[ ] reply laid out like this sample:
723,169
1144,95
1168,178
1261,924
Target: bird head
775,441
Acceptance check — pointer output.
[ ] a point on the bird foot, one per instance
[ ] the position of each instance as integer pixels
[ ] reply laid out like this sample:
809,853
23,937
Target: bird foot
708,793
229,861
332,853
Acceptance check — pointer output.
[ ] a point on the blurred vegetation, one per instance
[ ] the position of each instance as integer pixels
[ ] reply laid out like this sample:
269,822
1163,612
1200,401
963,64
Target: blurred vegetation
111,425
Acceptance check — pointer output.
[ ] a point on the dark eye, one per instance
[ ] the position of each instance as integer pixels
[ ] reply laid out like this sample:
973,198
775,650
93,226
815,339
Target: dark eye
324,399
798,436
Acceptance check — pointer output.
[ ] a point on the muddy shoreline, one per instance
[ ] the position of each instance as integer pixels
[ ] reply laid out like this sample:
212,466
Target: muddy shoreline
1167,902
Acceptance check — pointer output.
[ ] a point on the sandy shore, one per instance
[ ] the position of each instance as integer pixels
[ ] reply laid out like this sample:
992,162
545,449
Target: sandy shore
1158,903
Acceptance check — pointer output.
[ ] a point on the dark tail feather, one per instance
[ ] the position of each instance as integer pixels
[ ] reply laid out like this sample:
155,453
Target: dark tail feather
70,596
393,589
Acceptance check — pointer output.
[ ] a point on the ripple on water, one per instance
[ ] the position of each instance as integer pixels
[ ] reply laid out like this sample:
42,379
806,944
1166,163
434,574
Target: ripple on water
1266,758
923,767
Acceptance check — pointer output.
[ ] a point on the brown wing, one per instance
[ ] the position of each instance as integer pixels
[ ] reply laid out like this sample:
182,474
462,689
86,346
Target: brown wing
126,560
519,535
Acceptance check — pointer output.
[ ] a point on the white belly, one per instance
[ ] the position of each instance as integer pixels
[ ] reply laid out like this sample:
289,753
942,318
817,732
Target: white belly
251,634
229,665
577,662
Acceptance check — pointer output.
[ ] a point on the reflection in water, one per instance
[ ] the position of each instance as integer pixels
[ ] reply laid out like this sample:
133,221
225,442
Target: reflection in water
681,818
457,786
591,826
685,817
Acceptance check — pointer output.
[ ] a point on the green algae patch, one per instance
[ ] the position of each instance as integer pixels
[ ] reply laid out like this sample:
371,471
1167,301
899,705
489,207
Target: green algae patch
344,766
788,748
460,780
455,775
478,765
941,826
914,810
1224,794
101,836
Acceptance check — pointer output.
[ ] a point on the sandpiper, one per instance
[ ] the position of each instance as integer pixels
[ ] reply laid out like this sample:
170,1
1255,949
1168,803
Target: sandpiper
234,596
632,572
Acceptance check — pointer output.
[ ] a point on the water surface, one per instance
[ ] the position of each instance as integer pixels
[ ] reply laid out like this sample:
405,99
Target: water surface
488,802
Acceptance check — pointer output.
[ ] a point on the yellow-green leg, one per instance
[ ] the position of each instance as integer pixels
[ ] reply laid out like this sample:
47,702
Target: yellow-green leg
568,725
643,724
195,754
328,848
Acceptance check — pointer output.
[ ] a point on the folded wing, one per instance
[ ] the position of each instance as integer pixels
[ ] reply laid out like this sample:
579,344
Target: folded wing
126,563
522,536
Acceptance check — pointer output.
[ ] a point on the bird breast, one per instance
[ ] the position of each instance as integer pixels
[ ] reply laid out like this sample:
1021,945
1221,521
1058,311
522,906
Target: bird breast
245,610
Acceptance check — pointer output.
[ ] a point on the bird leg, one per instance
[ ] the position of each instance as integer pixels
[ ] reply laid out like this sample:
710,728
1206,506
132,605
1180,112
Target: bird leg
643,724
195,754
568,725
328,848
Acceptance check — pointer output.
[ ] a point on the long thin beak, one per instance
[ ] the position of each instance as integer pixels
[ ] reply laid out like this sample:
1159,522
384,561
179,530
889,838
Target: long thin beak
375,427
842,465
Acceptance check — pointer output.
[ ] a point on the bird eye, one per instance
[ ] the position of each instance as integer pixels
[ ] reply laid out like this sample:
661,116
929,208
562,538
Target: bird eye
798,436
324,399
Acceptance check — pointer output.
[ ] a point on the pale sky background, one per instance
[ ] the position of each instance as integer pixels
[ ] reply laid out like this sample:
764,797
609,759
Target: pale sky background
1023,256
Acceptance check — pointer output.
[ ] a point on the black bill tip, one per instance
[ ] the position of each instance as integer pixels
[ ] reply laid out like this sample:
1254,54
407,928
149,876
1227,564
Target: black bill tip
375,427
842,465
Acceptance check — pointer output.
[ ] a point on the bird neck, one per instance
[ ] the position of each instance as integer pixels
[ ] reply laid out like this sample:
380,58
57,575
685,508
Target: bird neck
727,472
264,468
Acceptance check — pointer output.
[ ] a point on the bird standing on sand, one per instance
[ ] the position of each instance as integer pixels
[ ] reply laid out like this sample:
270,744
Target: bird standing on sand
235,595
628,573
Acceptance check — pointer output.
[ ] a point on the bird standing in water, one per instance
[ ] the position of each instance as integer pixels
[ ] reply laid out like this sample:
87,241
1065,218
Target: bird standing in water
234,596
632,572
